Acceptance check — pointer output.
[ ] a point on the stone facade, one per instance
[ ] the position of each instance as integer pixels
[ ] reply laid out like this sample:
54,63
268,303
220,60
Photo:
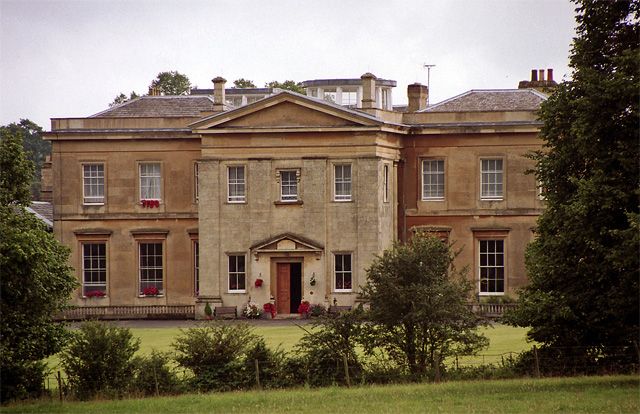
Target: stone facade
289,198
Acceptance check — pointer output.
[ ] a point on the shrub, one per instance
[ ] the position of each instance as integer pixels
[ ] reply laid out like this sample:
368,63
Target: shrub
98,359
317,311
22,379
208,311
272,367
214,353
153,374
303,309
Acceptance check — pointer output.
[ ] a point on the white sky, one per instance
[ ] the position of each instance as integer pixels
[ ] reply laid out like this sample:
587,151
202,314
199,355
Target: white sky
71,58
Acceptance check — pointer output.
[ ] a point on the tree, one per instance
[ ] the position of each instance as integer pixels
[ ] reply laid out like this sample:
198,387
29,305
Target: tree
171,83
419,305
288,85
243,83
35,281
583,265
122,98
35,147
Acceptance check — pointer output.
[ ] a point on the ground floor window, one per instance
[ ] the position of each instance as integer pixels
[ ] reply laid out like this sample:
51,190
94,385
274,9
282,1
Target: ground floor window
94,269
237,273
196,267
343,274
491,266
151,268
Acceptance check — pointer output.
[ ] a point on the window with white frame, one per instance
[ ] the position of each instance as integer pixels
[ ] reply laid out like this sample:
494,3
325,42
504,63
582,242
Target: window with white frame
432,179
491,269
343,274
93,183
491,179
289,185
236,184
385,183
94,269
237,273
151,268
342,181
349,98
196,267
150,181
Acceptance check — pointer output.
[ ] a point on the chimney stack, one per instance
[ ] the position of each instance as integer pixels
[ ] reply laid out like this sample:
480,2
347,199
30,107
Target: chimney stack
418,95
368,90
538,82
46,180
218,93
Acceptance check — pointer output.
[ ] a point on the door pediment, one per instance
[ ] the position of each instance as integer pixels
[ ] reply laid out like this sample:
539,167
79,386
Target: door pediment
286,243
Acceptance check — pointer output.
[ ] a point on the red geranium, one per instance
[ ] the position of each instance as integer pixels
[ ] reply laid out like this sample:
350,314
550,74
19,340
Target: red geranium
151,291
258,282
270,308
304,308
95,294
150,203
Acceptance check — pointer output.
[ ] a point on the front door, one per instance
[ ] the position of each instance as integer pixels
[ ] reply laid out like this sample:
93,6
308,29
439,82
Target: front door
289,289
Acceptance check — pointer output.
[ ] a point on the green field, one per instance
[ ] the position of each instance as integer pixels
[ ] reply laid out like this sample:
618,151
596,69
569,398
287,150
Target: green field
619,394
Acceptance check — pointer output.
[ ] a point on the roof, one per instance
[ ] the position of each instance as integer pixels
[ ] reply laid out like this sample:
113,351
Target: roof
160,106
42,210
477,100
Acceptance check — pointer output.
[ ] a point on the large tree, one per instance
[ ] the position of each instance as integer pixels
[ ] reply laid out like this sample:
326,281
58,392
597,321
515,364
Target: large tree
288,85
583,266
122,98
243,83
419,313
171,83
35,147
35,279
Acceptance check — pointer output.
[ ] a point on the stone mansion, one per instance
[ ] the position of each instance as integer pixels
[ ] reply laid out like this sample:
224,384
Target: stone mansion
229,195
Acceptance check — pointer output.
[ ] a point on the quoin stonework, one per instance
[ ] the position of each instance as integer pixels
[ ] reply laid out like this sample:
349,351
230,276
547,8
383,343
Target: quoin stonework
226,196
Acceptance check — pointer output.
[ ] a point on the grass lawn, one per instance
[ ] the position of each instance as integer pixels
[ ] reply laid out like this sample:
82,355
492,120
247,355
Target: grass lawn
619,394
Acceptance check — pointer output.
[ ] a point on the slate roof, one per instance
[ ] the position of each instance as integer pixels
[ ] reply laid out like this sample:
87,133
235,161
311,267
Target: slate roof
491,100
160,106
43,210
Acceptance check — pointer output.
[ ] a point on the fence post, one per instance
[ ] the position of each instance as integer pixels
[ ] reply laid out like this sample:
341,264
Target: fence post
59,377
457,366
437,368
257,365
536,368
346,370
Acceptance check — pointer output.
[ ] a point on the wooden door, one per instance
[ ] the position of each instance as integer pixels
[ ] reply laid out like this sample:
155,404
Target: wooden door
283,300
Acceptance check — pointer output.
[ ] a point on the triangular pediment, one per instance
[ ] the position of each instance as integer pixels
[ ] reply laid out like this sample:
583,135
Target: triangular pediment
287,242
286,110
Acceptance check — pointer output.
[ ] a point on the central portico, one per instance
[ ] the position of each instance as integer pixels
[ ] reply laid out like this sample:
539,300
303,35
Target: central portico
295,197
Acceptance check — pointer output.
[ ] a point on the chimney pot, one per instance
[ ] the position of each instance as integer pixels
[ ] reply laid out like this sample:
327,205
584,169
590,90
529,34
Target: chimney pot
550,75
541,75
534,75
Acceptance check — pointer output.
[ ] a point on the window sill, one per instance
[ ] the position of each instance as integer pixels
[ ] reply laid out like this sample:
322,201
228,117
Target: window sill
343,291
492,199
95,297
151,296
93,204
491,294
236,202
343,201
288,203
433,199
233,292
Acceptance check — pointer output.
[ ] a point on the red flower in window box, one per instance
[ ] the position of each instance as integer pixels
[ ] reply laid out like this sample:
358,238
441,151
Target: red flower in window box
258,282
270,308
151,291
95,294
150,203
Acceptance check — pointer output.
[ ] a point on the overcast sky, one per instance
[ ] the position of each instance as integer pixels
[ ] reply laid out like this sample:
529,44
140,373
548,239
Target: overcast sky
71,58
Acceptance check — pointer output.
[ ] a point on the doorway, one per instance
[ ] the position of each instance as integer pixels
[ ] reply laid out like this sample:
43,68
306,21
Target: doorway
289,287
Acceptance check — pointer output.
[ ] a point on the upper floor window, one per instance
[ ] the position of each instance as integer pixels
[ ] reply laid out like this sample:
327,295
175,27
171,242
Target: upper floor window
349,98
342,177
342,272
93,183
150,180
150,268
196,178
432,179
289,185
491,269
237,273
236,184
94,269
196,267
491,178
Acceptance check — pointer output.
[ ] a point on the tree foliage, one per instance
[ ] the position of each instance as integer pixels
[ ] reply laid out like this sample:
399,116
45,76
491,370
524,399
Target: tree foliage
35,280
583,266
288,85
122,98
243,83
36,149
419,305
171,83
